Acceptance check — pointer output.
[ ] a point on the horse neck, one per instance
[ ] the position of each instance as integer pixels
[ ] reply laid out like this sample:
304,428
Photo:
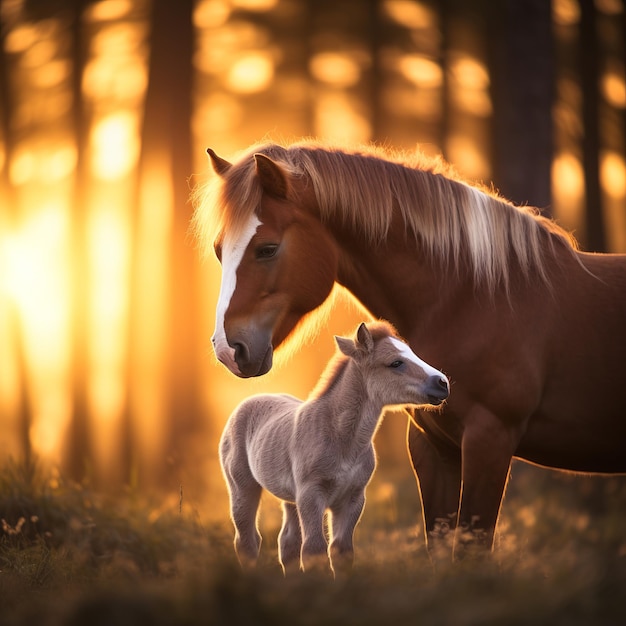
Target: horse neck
354,414
395,280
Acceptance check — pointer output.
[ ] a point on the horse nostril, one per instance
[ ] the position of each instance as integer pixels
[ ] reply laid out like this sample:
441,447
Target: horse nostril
443,384
242,355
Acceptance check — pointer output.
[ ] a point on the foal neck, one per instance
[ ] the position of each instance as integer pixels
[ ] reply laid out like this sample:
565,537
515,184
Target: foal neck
341,398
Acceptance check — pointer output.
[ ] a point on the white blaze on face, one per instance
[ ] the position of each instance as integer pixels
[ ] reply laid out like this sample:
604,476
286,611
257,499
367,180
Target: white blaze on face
232,253
409,355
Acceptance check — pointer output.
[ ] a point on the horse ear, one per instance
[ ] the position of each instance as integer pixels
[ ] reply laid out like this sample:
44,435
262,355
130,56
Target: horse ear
364,338
221,166
346,346
272,176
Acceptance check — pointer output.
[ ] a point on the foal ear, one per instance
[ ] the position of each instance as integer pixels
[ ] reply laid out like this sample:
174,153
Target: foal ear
346,346
272,176
221,166
364,338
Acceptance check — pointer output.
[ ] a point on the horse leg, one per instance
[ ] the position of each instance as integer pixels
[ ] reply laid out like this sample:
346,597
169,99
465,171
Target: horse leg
290,539
344,521
438,473
487,449
311,508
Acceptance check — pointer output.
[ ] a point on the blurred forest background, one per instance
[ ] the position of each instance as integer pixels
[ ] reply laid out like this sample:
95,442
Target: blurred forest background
106,108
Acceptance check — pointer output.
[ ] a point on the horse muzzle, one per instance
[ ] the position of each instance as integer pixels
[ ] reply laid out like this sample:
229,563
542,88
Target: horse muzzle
253,362
245,356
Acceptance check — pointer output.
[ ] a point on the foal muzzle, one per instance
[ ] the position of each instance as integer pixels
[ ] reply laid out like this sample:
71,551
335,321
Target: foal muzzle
437,389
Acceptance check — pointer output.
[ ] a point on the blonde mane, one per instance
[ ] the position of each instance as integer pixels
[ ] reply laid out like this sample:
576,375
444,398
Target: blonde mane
455,222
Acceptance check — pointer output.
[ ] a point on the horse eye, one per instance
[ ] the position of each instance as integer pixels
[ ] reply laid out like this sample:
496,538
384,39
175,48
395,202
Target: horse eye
396,364
267,251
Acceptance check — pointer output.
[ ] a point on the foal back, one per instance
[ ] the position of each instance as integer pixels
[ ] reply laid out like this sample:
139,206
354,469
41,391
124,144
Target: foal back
257,441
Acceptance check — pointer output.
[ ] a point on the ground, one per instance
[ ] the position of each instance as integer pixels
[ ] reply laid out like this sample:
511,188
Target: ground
71,556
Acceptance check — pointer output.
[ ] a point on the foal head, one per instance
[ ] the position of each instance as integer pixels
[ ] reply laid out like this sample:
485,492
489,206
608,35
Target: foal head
392,372
278,263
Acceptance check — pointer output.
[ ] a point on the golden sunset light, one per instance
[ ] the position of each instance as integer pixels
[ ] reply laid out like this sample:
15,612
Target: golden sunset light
109,379
243,70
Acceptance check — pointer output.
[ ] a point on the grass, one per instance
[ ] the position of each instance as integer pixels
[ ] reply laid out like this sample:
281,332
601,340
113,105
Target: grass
71,556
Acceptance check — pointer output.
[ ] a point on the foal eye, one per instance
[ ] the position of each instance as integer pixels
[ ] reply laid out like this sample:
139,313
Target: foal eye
396,364
266,251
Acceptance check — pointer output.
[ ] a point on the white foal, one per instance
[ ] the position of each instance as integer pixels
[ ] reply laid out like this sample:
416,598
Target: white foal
318,456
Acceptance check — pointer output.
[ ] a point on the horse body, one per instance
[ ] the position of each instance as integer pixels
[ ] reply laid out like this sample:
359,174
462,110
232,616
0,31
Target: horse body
531,332
548,396
318,455
555,387
579,423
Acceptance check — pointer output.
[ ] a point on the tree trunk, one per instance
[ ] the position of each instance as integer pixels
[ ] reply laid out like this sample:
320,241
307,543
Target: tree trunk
375,26
522,71
23,414
77,453
595,236
167,131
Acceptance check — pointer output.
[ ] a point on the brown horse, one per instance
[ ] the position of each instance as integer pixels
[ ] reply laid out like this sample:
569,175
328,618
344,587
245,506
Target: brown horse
530,331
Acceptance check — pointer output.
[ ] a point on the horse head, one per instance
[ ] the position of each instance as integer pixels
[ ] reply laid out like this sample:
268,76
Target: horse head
391,371
278,264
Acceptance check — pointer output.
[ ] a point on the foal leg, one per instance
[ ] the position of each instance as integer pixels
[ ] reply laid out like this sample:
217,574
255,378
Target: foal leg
311,506
344,521
245,497
438,473
244,492
247,537
290,539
